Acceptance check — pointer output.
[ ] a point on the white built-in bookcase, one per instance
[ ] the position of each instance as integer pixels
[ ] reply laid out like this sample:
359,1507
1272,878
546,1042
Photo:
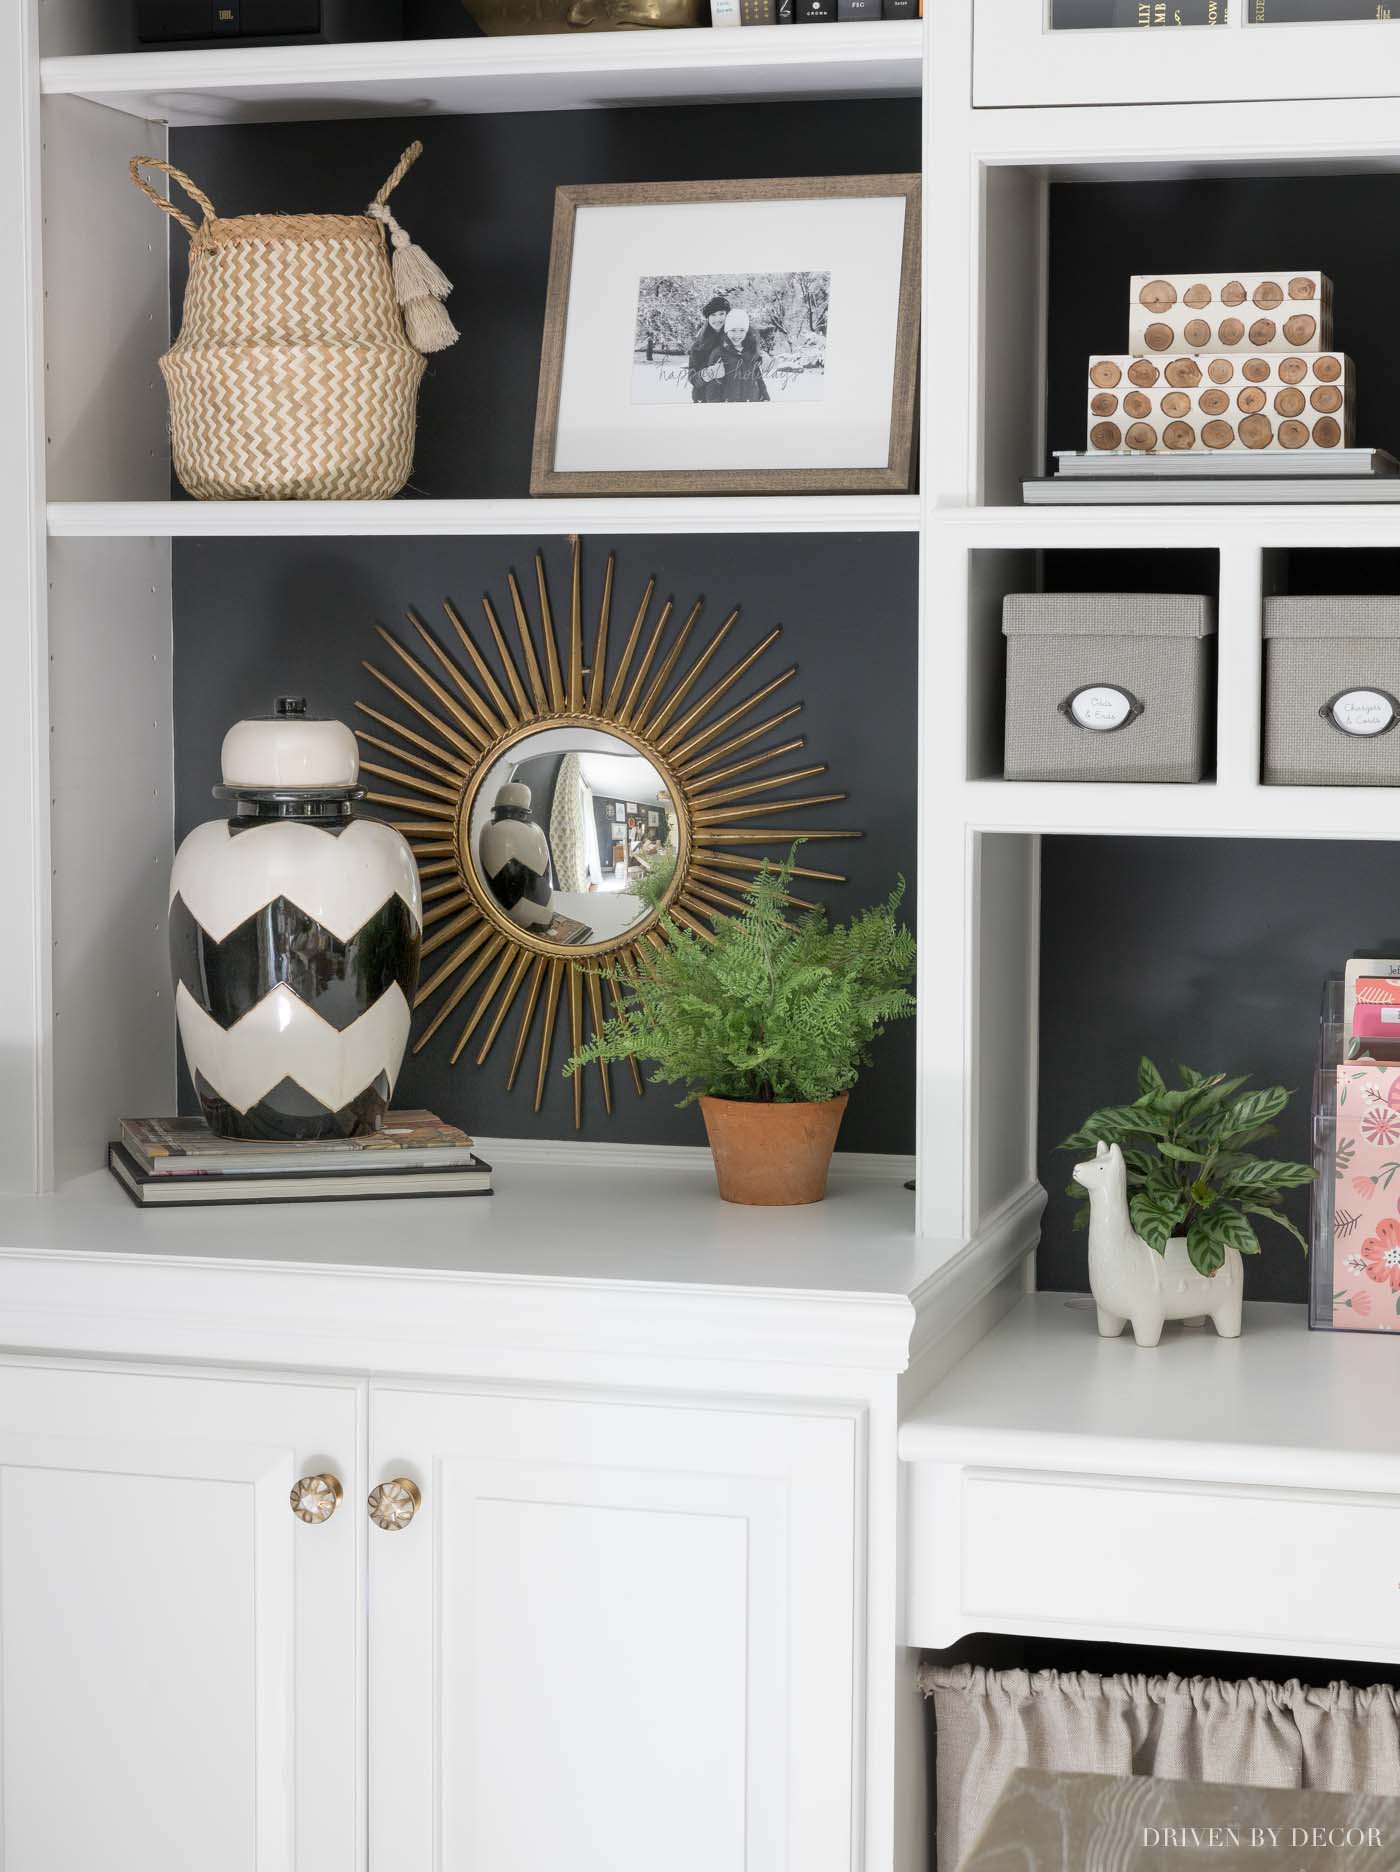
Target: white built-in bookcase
85,528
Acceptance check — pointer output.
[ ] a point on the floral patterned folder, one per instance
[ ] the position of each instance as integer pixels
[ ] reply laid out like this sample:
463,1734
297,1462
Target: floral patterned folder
1365,1270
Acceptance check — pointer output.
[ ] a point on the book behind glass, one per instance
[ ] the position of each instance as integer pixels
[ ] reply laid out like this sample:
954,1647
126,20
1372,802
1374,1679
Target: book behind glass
1089,15
1296,12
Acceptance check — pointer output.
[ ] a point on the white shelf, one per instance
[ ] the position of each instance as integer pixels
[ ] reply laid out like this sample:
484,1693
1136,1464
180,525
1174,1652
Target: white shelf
451,77
1278,1405
860,1241
1204,811
1091,527
785,513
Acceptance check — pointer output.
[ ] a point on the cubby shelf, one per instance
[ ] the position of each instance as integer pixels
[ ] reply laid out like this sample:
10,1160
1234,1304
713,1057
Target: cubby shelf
791,513
1204,811
1163,527
450,77
1044,1384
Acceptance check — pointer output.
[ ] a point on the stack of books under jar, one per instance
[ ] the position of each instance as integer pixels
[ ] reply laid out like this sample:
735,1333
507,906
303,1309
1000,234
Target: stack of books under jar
1228,380
173,1162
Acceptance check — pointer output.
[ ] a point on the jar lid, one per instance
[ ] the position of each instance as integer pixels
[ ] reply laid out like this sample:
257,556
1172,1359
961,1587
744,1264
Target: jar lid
289,752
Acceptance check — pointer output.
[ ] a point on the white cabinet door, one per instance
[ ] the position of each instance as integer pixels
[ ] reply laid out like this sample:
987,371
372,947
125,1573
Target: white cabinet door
614,1637
179,1654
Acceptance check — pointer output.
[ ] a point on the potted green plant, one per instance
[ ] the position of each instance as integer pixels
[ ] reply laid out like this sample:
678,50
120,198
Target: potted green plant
767,1026
1170,1197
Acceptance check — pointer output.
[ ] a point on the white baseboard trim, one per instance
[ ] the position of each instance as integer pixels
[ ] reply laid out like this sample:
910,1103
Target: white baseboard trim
580,1153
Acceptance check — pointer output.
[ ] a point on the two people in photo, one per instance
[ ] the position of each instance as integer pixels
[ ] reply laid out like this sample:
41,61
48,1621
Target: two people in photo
726,365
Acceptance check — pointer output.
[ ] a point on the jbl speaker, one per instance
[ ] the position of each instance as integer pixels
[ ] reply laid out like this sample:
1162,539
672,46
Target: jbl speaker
266,22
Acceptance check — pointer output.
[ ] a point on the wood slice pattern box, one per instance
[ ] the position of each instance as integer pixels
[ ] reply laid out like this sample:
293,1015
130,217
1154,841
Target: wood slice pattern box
1331,691
1200,405
1229,312
1107,686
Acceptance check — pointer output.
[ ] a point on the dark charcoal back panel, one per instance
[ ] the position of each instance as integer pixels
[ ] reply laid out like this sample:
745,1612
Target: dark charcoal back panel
1103,233
1211,951
258,619
481,202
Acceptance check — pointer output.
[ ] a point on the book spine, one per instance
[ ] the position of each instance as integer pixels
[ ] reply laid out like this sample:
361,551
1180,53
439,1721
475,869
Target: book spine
1294,12
814,12
1138,15
785,12
901,9
758,12
724,13
858,9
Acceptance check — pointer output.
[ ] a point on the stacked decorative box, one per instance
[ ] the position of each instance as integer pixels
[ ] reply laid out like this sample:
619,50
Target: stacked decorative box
1223,362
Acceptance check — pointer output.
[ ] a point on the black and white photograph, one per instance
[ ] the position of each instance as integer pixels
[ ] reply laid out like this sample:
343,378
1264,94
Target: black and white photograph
709,338
726,337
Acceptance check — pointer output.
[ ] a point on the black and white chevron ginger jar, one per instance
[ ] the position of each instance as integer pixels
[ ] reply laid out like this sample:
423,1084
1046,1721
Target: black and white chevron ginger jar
295,930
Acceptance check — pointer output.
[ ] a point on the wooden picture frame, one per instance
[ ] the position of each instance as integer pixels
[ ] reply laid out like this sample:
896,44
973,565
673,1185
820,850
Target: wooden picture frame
894,475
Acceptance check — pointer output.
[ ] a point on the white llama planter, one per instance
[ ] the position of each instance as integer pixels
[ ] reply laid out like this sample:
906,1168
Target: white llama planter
1131,1281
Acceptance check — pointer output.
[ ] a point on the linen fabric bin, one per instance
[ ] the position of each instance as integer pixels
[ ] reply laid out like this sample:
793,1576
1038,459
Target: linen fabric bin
1107,685
1331,691
1341,1738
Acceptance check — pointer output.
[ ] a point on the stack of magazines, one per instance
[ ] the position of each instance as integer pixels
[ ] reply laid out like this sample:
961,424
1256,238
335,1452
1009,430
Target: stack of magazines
171,1162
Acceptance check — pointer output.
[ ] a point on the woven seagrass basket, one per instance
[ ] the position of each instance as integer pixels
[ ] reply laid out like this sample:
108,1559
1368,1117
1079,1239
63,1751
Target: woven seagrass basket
295,375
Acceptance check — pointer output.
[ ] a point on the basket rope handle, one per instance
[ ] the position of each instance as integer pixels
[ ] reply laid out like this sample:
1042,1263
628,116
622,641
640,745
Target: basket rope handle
420,285
166,206
397,173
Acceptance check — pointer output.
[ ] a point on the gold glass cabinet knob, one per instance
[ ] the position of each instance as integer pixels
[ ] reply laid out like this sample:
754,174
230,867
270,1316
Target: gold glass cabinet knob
315,1498
393,1504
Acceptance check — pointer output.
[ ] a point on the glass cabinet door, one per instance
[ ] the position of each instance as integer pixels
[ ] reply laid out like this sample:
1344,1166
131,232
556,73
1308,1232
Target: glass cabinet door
1133,52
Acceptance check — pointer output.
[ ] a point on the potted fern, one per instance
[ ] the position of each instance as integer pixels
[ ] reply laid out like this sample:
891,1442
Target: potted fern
767,1026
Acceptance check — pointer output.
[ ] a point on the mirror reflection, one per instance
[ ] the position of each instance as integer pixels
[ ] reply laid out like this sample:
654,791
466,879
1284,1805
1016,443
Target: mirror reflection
575,836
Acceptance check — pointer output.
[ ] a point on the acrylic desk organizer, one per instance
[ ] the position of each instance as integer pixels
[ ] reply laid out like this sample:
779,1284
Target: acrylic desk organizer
1355,1285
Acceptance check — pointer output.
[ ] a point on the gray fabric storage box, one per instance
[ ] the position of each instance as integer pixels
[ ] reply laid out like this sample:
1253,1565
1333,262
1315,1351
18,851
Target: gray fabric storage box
1331,689
1107,685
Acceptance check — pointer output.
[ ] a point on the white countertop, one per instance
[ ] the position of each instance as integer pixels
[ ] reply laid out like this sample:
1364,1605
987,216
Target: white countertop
547,1221
1278,1405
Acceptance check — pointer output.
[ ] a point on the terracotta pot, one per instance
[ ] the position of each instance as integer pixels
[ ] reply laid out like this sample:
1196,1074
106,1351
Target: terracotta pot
771,1153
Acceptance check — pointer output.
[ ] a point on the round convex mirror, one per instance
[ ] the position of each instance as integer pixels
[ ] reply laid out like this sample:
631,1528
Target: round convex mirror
581,773
573,835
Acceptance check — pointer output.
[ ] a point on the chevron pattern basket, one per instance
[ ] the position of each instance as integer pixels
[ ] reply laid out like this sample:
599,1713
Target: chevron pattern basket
295,375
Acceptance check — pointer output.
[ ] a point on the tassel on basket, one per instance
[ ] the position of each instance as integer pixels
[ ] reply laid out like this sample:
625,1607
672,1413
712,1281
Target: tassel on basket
419,282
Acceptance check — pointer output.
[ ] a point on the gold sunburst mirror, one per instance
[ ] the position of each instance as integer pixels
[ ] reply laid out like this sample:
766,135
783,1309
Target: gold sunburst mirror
560,802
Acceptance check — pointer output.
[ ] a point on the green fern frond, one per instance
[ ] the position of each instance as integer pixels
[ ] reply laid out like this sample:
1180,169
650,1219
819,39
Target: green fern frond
770,1010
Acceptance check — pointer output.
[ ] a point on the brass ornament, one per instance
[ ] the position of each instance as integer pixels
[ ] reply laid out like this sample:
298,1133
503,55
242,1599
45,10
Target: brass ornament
458,711
511,18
